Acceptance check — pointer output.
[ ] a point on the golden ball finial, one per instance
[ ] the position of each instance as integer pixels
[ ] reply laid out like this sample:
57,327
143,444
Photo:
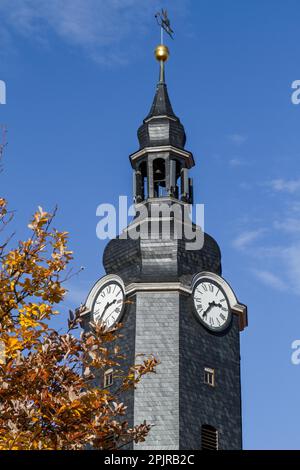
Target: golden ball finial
162,52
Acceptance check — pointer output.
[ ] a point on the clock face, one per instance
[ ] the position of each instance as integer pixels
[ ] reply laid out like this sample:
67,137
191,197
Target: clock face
109,303
211,305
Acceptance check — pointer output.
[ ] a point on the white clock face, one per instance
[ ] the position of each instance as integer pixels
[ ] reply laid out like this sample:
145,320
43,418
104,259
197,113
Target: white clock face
211,305
109,303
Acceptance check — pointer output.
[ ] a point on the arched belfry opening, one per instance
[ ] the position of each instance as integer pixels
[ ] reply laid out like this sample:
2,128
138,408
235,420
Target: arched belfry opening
159,178
140,182
181,185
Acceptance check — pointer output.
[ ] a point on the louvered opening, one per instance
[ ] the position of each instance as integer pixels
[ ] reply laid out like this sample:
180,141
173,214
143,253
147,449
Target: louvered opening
209,438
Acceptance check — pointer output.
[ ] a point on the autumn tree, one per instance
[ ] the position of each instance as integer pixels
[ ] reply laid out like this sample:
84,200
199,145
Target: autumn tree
48,396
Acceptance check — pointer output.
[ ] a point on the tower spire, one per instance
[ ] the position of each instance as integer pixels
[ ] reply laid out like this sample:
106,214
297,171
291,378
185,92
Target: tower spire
161,126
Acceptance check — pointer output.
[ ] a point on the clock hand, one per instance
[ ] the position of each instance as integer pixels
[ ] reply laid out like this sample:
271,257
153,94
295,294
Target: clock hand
111,312
109,304
105,308
210,306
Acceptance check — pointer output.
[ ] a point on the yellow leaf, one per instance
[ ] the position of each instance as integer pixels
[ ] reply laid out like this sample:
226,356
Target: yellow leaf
12,345
27,322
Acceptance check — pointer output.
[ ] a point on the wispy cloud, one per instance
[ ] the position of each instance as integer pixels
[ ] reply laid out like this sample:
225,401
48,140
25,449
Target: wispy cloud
288,225
270,279
237,162
291,258
282,260
274,251
237,139
283,185
286,262
97,26
246,238
295,206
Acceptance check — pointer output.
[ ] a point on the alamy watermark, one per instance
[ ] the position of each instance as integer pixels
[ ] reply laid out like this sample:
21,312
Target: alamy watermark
295,97
157,220
295,358
2,92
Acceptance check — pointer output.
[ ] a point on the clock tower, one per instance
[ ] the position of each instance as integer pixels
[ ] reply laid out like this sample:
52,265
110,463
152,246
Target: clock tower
172,299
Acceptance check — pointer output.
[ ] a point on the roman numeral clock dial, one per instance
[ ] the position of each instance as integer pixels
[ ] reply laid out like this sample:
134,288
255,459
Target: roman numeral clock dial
211,305
109,304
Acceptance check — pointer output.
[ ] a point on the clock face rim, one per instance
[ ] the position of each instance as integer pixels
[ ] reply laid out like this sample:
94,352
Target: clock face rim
101,288
225,326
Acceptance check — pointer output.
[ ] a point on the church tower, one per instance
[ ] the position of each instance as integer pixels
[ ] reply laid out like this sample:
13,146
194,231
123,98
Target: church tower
172,299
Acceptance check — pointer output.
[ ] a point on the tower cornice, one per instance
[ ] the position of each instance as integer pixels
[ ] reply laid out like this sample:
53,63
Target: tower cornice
185,154
236,307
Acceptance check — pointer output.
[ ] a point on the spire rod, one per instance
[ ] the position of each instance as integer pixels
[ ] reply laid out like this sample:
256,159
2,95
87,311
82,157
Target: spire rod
162,52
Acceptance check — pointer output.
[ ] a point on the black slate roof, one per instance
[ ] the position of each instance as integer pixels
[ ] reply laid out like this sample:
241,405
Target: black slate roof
161,105
161,126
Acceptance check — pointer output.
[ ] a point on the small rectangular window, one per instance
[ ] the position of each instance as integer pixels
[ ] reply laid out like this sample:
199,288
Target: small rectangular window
108,378
209,376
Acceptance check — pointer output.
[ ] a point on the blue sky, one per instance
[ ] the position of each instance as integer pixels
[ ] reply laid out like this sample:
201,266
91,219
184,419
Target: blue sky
80,78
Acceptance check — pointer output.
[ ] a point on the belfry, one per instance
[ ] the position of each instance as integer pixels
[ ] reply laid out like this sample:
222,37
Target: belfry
172,299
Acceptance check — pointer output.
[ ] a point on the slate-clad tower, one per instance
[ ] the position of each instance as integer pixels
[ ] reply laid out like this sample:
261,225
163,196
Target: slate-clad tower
180,308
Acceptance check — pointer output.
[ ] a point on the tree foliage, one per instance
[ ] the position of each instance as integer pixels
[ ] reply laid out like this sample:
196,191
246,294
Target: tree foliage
48,396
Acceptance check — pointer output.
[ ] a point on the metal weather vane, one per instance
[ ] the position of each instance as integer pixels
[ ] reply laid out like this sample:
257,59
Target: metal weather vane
164,22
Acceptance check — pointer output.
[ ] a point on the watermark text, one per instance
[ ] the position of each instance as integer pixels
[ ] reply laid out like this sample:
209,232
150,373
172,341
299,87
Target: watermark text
2,92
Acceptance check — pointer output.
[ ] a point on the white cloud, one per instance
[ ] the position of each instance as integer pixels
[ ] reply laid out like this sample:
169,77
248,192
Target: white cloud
237,139
246,238
236,162
270,279
98,26
295,206
277,254
289,225
282,262
289,186
291,258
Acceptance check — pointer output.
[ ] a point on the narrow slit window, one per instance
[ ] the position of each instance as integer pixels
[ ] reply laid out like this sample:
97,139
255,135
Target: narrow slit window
209,376
108,378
